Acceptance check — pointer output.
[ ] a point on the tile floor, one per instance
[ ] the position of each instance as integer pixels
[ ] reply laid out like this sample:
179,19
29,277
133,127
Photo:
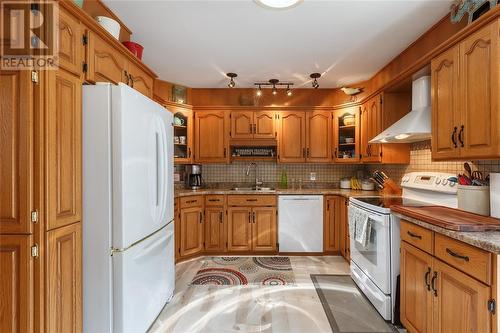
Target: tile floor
249,308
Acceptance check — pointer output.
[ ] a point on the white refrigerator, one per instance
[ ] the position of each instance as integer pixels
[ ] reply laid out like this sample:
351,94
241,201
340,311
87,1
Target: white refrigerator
128,228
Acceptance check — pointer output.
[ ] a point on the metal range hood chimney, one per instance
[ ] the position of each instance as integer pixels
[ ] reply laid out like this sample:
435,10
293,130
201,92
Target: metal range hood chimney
416,125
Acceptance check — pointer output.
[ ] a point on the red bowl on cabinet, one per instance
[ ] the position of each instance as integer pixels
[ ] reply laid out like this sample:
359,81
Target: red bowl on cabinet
135,48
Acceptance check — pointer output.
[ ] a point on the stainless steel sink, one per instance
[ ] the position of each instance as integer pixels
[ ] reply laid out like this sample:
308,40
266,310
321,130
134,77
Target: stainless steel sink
259,189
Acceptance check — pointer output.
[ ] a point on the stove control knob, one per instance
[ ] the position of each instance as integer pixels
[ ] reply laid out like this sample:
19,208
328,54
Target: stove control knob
406,179
445,181
438,181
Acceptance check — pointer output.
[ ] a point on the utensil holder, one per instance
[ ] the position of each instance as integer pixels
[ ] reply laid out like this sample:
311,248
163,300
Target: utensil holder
474,199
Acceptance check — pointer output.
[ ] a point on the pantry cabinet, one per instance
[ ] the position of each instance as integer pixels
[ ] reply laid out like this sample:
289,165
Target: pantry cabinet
446,285
465,98
211,142
16,151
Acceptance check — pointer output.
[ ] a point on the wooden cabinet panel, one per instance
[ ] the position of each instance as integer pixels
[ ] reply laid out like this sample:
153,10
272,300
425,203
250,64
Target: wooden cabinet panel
239,229
264,125
191,231
251,200
373,128
264,229
64,279
215,239
214,200
70,46
16,151
461,302
479,90
292,137
64,151
191,201
16,285
416,297
183,153
242,123
210,137
140,81
344,239
417,236
444,70
105,63
319,137
342,131
335,216
364,131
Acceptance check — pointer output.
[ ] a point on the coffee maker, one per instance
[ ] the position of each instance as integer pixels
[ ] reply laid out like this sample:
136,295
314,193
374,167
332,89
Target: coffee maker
192,177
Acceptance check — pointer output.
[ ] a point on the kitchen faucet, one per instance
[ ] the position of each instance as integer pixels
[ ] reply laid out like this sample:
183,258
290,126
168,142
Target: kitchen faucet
257,182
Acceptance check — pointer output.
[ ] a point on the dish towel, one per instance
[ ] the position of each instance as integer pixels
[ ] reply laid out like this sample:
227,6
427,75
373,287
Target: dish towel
360,226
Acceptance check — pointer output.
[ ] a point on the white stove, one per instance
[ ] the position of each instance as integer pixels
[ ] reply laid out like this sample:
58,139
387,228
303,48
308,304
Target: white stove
375,267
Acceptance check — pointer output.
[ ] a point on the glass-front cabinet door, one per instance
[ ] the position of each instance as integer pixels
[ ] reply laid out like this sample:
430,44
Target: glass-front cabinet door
346,135
183,134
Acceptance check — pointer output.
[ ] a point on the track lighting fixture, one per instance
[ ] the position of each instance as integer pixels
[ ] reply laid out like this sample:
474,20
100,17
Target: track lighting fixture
231,77
315,83
274,84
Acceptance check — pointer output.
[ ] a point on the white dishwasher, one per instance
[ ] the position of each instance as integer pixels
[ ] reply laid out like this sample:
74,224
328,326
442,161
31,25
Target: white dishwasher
300,223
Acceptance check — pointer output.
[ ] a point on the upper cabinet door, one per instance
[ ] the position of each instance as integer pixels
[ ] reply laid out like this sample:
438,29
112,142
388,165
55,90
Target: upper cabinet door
140,81
16,265
16,151
183,151
445,117
292,137
343,131
319,137
70,46
374,128
264,126
478,131
105,63
242,124
65,151
210,137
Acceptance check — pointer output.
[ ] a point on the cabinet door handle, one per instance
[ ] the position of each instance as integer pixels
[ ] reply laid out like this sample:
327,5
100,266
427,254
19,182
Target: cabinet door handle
426,278
254,128
460,136
253,215
251,128
454,136
189,152
411,234
201,217
456,255
191,201
131,80
213,200
225,152
220,217
308,154
433,283
249,217
250,200
304,152
127,77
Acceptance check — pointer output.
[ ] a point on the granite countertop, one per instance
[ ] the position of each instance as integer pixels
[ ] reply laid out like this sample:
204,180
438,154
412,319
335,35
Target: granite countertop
309,191
487,240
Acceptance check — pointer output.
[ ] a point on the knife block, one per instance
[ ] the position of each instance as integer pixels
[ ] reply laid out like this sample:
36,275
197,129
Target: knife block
391,188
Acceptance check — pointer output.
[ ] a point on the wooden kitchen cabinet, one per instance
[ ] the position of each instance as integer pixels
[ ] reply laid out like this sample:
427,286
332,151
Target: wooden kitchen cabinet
140,80
438,296
16,149
16,266
264,229
251,124
292,137
335,215
319,137
70,46
211,143
191,231
465,99
64,279
264,125
183,152
416,298
341,131
239,229
371,127
215,240
104,62
65,151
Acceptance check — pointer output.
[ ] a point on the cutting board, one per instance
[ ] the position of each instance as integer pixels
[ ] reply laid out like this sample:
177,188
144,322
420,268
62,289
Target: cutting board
449,218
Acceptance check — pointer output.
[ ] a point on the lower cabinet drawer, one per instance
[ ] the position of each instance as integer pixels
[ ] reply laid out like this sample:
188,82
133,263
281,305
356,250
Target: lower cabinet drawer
191,201
417,236
214,200
469,259
251,200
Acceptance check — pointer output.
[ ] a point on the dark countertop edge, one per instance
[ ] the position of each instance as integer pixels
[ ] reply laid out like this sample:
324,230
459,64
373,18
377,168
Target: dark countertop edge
321,191
485,240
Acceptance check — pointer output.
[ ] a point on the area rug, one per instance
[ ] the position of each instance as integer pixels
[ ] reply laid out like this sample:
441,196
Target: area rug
346,308
234,271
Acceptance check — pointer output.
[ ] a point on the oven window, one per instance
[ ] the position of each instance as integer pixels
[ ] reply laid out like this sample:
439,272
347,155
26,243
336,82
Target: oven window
370,251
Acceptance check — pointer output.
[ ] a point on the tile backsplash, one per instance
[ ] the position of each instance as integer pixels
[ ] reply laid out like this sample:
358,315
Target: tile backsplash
270,172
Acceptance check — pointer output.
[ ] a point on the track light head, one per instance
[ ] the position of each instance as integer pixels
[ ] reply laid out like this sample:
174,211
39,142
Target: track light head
259,91
288,91
315,77
231,77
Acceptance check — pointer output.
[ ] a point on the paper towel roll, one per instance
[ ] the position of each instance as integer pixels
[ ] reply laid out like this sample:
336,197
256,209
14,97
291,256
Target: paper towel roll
495,195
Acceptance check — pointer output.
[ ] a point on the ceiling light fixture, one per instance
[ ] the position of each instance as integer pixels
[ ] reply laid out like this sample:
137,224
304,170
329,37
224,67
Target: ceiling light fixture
231,83
315,83
274,84
278,4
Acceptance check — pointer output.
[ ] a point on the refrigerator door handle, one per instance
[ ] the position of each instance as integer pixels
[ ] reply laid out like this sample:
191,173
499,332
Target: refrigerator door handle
157,162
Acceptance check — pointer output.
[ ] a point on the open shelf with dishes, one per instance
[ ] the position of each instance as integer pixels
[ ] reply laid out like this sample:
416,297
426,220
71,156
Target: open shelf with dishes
346,135
183,135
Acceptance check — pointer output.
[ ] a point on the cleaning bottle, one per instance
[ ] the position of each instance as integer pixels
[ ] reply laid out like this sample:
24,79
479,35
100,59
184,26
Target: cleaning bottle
283,179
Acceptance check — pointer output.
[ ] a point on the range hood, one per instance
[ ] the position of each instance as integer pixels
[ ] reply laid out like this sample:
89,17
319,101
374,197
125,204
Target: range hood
416,125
